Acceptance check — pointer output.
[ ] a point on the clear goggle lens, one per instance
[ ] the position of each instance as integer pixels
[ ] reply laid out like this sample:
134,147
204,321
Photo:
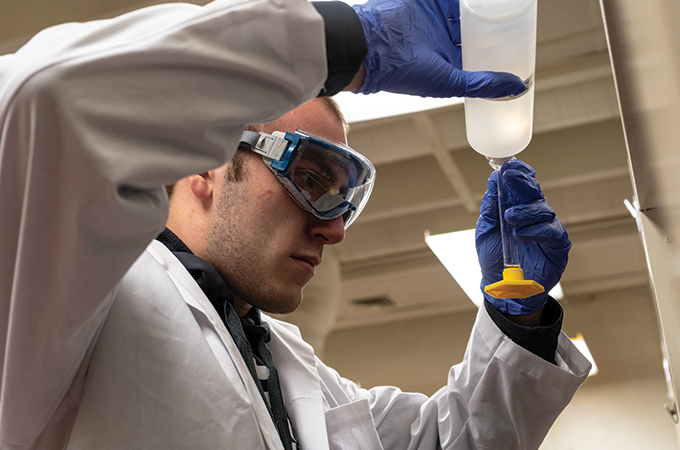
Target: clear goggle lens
327,179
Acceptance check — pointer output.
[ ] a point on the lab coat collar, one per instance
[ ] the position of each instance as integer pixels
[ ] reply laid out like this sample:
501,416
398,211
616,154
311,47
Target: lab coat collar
294,359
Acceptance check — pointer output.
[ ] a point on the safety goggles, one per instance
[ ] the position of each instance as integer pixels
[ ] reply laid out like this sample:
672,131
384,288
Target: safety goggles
326,178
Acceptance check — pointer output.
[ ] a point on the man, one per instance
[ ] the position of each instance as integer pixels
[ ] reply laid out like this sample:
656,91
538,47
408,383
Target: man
111,342
264,267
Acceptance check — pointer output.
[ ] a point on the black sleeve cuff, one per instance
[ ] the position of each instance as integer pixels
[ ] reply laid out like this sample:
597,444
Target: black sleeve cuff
345,45
540,340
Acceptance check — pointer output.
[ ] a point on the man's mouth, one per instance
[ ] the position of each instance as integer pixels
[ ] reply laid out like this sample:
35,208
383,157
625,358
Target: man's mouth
308,262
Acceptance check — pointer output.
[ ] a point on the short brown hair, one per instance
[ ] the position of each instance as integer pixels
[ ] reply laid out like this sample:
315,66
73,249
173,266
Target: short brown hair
333,106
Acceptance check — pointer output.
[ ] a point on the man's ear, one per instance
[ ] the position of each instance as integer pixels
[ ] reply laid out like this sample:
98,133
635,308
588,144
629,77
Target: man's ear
201,185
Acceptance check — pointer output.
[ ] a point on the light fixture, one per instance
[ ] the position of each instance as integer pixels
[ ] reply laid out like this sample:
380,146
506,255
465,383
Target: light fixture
580,344
458,254
631,209
359,107
557,292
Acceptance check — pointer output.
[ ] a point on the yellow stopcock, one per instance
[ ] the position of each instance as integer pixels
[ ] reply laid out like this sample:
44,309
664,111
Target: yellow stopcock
513,284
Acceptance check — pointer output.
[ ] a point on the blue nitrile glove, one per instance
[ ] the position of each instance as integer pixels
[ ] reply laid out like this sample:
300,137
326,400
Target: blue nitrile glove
542,241
414,48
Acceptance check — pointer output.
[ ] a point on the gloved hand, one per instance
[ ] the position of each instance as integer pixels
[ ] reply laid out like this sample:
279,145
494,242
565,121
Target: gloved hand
414,48
542,241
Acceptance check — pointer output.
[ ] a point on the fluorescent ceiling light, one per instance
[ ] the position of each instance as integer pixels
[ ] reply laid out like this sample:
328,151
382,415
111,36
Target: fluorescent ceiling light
457,252
580,344
632,209
359,107
557,292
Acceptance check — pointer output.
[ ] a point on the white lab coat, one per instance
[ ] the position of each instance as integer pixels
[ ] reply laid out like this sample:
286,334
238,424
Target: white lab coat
166,374
98,351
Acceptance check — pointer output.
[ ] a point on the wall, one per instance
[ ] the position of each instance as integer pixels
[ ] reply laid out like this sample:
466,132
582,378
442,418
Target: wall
644,45
625,414
622,407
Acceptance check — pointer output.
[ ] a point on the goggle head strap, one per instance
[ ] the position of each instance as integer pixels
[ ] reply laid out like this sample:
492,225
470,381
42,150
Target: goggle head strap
272,146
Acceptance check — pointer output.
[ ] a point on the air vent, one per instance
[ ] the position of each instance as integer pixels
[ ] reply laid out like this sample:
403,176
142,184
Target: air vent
374,302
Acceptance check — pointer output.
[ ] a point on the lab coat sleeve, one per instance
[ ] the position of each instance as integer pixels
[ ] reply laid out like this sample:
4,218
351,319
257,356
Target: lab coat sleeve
96,118
500,397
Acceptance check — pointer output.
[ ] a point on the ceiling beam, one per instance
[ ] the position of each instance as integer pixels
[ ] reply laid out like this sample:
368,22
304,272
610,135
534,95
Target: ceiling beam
448,165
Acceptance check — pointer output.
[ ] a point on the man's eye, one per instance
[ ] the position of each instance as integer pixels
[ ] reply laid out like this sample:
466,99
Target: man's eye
303,178
315,186
308,183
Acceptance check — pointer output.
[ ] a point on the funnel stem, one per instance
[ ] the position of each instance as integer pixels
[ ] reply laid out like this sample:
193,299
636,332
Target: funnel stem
510,250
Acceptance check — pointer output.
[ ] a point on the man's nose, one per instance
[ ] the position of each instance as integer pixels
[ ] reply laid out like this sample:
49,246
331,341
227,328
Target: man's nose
331,231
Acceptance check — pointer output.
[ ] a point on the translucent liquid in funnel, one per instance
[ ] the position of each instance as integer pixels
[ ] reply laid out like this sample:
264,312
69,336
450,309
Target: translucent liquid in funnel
499,36
499,129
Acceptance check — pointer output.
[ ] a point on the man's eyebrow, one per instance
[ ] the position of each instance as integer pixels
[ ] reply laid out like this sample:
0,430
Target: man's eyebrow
337,170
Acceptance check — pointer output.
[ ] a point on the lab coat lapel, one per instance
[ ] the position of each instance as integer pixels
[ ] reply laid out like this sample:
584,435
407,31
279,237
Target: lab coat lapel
299,379
197,300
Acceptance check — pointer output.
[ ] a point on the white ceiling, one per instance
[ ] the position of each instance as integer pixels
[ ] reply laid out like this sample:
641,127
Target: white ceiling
430,179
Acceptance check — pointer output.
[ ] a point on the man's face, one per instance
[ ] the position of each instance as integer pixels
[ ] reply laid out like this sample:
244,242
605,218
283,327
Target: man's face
259,239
